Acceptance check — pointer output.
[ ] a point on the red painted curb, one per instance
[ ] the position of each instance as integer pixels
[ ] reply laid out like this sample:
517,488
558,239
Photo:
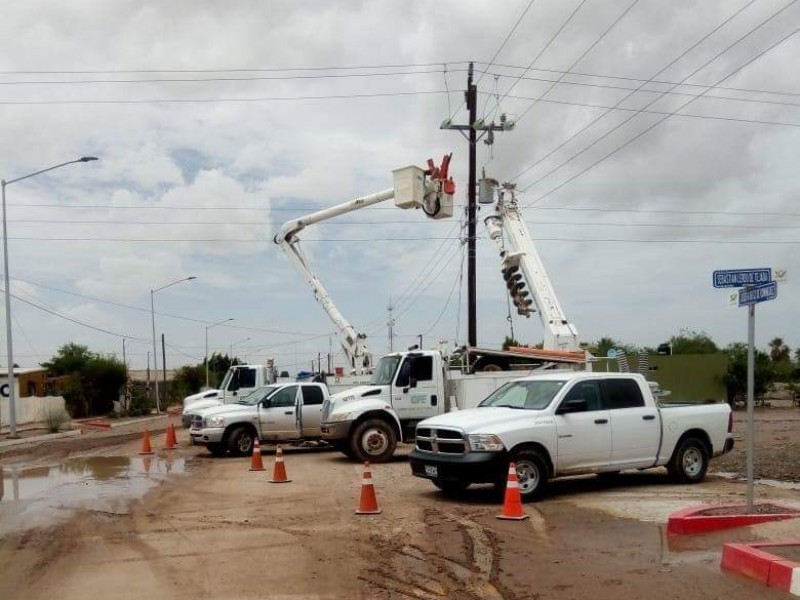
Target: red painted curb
100,424
689,521
751,560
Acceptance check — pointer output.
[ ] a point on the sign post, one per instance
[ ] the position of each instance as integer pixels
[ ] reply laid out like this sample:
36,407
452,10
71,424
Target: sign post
756,285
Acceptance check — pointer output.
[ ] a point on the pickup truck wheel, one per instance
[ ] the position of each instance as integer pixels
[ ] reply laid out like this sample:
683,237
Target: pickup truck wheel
690,462
531,474
217,449
373,440
240,442
450,487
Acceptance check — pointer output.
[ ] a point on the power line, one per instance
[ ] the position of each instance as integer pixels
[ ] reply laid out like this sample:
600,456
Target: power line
579,59
449,296
221,100
236,69
223,79
641,85
669,211
661,120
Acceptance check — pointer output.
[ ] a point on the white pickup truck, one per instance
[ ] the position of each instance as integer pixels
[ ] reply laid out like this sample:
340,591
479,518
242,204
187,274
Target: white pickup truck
281,412
569,423
239,381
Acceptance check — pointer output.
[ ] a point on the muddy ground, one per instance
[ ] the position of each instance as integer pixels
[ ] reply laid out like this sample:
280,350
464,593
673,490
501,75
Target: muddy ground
219,530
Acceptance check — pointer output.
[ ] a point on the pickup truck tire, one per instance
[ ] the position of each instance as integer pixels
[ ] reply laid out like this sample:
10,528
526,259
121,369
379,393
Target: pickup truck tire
373,440
532,474
240,442
217,449
690,461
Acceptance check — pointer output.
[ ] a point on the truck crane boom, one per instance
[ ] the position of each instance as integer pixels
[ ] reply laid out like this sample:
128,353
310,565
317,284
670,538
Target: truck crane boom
431,189
520,259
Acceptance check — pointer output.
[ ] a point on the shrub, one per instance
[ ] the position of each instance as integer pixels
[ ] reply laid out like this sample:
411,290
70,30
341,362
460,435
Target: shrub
54,417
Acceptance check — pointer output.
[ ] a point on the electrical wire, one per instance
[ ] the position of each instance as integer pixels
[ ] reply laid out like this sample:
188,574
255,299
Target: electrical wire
659,72
449,296
579,59
662,119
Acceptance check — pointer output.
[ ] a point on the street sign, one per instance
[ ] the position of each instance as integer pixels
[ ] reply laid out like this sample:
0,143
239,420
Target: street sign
761,293
741,277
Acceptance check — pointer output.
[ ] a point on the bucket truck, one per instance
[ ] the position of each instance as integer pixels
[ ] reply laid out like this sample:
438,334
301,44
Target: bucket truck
521,264
431,190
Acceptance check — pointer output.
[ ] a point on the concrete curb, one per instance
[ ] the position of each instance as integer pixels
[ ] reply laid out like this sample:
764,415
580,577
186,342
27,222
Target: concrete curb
751,560
690,521
97,427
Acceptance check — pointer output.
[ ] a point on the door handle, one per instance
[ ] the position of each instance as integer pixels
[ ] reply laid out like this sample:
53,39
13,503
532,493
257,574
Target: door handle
289,412
601,421
649,417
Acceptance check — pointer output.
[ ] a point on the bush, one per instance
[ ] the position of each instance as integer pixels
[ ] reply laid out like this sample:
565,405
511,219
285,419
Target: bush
54,417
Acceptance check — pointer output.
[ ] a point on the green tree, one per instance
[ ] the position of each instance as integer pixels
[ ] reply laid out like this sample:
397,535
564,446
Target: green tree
735,376
693,343
91,382
509,341
188,380
778,351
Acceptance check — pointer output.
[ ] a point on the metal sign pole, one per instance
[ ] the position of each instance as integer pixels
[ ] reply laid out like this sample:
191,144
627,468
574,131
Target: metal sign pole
751,334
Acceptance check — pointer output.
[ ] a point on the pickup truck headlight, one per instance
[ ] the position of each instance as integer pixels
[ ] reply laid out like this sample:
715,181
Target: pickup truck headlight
481,442
215,422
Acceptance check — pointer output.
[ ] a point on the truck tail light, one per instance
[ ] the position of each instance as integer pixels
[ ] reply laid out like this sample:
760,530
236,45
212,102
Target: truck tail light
730,422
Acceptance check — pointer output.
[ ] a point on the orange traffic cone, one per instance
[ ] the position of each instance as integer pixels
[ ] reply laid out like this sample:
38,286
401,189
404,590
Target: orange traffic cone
172,439
147,463
256,464
512,504
147,448
279,473
368,503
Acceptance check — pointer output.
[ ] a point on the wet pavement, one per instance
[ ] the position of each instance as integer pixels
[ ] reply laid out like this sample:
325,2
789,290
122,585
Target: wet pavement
42,496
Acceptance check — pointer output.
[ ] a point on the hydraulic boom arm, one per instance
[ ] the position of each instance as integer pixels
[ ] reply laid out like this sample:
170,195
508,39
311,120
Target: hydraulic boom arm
414,187
521,255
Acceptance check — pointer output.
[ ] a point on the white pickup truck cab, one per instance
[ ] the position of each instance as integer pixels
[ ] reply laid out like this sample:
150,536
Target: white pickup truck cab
280,412
569,423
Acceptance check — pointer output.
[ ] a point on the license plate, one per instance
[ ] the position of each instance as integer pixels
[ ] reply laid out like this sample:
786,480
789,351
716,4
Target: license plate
431,471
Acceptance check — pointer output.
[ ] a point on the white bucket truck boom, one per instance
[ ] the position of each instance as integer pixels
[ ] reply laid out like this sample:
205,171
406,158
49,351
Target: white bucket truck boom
521,264
431,190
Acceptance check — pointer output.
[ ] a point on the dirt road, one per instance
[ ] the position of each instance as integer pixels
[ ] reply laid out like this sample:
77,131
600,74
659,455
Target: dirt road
217,530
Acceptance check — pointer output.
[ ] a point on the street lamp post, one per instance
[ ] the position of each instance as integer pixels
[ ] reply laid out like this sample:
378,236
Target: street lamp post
207,328
247,339
153,321
12,397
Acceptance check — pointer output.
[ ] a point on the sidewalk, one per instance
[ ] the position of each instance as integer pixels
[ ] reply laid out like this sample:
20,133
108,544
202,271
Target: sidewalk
32,434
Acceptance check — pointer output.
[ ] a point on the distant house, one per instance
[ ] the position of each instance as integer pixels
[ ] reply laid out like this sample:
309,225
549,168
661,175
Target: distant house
30,381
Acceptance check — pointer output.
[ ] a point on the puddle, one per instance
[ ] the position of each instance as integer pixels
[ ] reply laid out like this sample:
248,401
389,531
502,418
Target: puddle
44,496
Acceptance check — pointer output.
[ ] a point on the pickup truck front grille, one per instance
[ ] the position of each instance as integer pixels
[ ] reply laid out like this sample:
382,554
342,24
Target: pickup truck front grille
441,441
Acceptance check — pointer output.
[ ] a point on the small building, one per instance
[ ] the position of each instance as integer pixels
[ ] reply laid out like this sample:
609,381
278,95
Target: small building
30,382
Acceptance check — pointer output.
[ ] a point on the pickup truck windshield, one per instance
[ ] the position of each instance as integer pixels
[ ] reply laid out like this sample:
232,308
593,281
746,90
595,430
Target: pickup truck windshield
529,395
259,394
384,373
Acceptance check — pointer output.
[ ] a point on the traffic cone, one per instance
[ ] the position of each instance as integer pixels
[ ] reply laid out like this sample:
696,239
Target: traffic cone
172,439
279,473
147,448
512,504
147,463
368,503
256,464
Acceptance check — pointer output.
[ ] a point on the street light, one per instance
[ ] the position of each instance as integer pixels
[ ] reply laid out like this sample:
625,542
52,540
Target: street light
247,339
207,328
12,399
153,320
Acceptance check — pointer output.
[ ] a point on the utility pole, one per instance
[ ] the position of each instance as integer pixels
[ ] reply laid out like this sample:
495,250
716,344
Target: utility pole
474,125
164,367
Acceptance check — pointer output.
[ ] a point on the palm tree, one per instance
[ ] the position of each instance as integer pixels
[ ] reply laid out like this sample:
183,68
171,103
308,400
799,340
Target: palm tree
778,351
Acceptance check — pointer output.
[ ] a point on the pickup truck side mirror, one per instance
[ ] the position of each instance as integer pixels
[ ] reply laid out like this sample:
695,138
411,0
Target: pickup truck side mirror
266,403
572,405
412,383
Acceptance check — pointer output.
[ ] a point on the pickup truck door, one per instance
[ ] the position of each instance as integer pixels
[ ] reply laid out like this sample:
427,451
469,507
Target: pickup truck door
422,399
635,427
278,414
583,436
311,411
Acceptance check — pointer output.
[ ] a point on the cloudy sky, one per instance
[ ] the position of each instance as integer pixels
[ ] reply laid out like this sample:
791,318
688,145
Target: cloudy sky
655,142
